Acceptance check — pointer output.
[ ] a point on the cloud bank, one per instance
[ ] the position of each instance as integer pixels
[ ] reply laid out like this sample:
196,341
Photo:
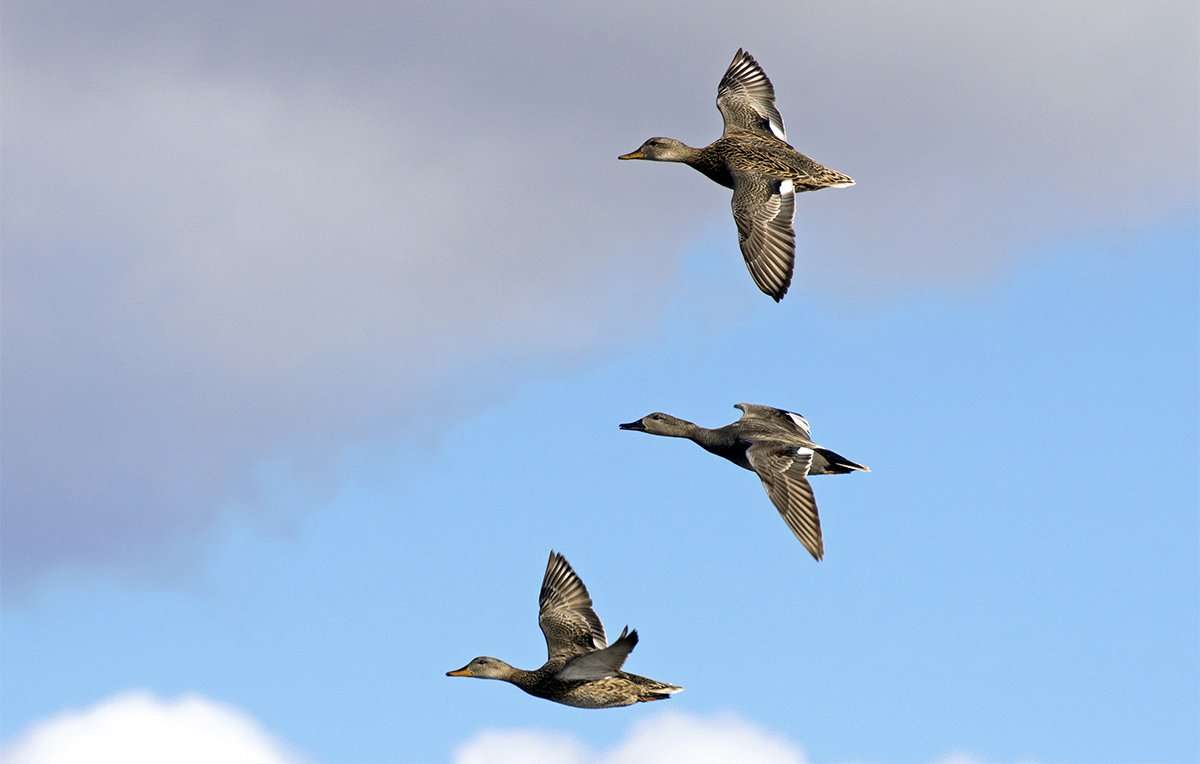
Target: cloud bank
240,235
673,737
666,737
139,728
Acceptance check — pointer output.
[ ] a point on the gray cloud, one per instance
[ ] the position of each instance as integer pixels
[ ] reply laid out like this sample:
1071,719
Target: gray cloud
230,236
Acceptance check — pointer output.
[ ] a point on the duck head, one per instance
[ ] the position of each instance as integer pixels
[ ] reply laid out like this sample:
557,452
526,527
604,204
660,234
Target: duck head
484,667
659,423
661,150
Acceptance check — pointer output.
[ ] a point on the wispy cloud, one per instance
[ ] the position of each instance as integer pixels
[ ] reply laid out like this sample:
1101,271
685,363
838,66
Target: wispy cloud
265,236
140,728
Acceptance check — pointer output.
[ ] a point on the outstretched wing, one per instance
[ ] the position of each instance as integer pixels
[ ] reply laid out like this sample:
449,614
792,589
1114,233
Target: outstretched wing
763,209
789,420
783,470
746,98
601,663
565,612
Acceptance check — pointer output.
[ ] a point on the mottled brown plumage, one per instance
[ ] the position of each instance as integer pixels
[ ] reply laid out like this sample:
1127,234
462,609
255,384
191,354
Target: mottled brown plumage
581,668
753,158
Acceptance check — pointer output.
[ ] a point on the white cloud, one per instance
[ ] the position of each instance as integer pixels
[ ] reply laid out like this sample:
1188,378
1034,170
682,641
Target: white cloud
669,737
140,728
520,747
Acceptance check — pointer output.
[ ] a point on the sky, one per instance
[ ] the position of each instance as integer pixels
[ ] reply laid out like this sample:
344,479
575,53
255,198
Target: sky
317,328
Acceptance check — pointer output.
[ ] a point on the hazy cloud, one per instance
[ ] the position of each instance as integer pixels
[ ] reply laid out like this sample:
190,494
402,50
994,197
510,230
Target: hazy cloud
139,728
232,235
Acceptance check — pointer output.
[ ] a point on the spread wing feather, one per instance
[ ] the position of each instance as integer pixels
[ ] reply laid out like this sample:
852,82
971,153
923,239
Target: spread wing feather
565,613
763,209
746,98
783,469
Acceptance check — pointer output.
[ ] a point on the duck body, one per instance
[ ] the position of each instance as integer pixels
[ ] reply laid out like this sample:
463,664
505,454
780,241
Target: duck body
581,668
741,151
776,445
733,442
622,689
753,158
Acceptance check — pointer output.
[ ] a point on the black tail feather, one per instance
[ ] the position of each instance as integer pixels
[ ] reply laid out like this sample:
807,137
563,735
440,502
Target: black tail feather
832,463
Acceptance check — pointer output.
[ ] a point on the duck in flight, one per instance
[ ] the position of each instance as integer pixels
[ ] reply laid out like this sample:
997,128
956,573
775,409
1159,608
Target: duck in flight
581,668
776,445
753,158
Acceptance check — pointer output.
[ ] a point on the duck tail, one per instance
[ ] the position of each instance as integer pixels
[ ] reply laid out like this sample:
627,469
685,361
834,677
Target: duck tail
823,178
660,692
835,464
840,179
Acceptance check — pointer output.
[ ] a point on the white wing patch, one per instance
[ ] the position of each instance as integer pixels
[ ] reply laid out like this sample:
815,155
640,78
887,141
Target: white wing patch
777,128
801,422
806,455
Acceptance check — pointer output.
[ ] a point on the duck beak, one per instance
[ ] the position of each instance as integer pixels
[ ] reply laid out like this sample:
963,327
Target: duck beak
633,155
459,672
634,425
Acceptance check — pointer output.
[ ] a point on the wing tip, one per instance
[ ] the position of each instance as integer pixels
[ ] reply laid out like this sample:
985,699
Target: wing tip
775,292
778,293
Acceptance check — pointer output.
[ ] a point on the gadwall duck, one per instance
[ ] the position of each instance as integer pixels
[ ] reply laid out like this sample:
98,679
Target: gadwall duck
775,444
581,669
753,158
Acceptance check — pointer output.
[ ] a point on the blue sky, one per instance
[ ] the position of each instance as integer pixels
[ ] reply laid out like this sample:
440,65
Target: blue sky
317,326
1016,577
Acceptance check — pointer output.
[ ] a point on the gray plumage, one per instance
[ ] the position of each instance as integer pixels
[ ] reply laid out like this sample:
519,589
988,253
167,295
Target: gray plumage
581,668
753,157
776,445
